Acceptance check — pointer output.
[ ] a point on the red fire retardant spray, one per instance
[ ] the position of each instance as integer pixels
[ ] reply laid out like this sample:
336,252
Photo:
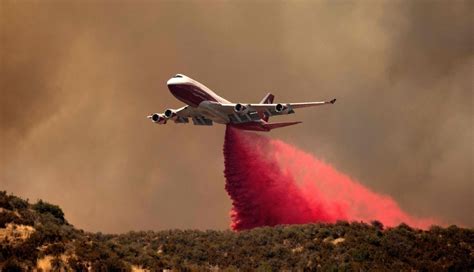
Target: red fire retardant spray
272,183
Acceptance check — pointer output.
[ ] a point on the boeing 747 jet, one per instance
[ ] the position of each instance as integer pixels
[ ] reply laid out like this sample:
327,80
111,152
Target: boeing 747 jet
204,107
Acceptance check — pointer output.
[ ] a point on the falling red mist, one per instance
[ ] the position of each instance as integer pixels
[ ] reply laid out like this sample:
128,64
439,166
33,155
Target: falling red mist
271,183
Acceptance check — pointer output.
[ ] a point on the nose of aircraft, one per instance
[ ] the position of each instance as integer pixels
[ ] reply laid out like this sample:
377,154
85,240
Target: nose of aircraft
171,81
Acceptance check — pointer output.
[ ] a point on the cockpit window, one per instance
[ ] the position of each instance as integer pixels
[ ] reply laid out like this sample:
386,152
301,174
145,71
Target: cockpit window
178,75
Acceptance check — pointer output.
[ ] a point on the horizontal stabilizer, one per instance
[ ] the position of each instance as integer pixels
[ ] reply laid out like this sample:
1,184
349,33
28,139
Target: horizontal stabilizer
271,126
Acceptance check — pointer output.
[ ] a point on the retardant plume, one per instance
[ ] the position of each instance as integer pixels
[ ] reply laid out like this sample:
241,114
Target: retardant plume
271,182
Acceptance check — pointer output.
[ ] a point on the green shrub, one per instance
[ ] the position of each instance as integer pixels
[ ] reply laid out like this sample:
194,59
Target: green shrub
4,201
377,224
76,265
12,265
44,207
7,217
18,203
55,249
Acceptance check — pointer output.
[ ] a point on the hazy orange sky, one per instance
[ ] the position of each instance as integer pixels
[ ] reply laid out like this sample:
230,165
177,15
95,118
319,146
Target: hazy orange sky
78,78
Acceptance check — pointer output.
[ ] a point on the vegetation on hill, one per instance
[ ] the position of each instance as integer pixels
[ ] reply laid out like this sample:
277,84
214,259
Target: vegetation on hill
37,235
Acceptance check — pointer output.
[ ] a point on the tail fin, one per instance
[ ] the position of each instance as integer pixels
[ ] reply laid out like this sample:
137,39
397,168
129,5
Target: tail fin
271,126
268,99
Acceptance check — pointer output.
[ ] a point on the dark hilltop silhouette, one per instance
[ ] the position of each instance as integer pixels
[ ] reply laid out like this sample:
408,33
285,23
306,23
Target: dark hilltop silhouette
37,236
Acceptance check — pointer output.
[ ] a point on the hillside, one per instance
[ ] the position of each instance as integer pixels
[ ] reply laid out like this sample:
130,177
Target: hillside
38,236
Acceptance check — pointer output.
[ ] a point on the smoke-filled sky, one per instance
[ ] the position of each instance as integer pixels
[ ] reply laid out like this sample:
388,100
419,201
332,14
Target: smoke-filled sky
78,79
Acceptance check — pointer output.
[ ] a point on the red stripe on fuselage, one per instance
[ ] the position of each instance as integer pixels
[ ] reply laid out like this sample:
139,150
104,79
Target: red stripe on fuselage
190,94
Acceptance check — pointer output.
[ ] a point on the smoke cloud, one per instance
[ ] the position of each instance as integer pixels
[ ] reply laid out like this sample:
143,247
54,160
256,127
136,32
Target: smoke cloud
262,179
78,79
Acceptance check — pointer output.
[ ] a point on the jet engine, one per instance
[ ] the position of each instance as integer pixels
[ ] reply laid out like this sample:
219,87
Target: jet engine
239,108
281,108
169,113
158,118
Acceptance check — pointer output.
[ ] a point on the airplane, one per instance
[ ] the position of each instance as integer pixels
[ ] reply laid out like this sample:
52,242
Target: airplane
204,107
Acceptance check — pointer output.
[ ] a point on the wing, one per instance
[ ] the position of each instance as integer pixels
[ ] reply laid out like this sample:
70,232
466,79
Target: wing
277,107
181,116
263,107
240,113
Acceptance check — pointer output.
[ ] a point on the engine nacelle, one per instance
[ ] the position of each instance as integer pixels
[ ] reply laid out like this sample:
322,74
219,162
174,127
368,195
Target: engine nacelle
170,113
239,108
158,118
281,108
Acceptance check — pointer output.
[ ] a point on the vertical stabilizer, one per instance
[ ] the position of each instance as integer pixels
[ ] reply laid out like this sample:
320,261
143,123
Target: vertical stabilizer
268,99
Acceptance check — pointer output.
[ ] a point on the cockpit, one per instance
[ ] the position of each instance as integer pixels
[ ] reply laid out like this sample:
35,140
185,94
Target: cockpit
176,79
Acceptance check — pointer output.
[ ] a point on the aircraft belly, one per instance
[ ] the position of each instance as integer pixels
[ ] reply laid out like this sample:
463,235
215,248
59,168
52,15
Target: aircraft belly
212,114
